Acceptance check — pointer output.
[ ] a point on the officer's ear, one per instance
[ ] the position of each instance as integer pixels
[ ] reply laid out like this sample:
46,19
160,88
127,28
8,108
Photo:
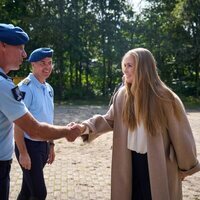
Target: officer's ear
2,44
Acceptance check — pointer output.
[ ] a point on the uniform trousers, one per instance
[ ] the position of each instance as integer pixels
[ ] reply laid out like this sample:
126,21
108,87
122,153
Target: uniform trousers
33,183
5,179
140,177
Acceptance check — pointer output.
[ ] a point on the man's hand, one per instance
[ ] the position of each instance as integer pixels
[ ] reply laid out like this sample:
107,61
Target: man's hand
73,132
51,156
25,161
74,125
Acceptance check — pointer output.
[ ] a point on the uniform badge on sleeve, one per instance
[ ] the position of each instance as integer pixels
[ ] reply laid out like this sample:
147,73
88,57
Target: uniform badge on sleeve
18,95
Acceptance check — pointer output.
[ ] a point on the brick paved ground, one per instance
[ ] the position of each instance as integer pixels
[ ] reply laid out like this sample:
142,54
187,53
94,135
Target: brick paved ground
82,171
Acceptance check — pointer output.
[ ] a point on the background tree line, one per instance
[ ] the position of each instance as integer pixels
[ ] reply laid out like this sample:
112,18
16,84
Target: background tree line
89,38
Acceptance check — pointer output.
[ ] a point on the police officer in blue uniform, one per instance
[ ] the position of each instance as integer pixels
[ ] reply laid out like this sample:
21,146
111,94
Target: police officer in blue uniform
12,109
38,98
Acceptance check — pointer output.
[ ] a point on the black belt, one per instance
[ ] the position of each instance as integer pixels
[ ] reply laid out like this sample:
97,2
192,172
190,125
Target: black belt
5,161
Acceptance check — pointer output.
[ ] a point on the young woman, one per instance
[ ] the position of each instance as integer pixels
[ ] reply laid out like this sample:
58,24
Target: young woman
153,145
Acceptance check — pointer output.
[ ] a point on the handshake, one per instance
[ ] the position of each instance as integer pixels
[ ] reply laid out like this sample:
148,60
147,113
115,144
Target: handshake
74,130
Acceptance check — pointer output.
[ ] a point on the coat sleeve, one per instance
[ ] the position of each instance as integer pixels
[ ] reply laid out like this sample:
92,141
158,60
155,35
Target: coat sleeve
182,140
99,124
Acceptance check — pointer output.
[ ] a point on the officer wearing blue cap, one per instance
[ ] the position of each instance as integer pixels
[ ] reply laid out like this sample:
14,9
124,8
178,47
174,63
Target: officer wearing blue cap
12,53
12,35
34,154
40,54
12,109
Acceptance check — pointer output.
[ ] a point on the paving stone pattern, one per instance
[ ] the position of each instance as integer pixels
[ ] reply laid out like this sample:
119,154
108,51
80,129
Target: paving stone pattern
82,171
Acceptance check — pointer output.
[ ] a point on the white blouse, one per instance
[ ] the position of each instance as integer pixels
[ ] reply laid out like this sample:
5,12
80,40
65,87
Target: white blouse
137,139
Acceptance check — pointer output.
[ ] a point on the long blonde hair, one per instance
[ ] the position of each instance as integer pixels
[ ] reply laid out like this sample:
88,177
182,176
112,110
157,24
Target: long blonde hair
145,97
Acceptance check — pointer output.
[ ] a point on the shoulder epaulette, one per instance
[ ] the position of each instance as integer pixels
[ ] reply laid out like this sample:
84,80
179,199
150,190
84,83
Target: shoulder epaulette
26,81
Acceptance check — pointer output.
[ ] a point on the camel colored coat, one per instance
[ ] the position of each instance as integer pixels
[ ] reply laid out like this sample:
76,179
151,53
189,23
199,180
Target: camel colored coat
169,153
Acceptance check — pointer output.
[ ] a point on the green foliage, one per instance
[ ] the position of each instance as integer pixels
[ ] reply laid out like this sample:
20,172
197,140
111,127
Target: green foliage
89,38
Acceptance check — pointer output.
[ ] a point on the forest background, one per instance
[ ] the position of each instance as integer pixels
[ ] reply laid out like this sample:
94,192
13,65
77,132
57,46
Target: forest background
89,38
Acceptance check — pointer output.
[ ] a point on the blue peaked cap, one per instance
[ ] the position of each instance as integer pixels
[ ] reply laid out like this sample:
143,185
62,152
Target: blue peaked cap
13,35
39,54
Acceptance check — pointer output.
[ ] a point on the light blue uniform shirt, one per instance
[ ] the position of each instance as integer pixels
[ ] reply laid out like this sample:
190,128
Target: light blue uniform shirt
10,110
38,99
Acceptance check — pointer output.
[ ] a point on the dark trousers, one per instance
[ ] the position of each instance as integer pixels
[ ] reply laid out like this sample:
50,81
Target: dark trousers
33,183
5,179
140,177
